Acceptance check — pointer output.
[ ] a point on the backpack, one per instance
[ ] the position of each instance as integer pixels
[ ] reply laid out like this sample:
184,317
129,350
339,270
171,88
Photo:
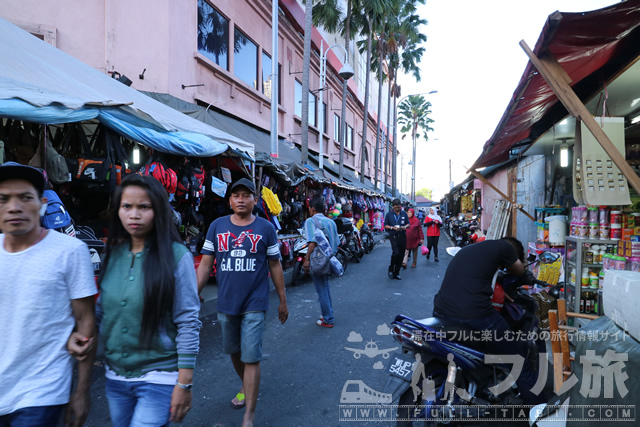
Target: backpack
189,187
56,216
56,165
166,176
319,261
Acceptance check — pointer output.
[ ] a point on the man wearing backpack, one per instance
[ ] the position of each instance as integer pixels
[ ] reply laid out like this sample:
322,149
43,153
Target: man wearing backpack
46,292
321,282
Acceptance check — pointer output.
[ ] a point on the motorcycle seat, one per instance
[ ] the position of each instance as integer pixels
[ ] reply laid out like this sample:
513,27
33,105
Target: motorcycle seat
456,332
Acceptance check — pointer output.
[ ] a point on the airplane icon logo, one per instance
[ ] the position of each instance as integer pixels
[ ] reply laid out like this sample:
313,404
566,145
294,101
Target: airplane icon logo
371,350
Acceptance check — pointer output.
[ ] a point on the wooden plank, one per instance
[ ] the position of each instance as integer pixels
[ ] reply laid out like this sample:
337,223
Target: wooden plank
486,182
558,377
552,72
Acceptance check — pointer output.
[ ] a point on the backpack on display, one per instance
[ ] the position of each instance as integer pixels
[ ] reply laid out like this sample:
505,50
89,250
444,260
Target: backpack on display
189,188
56,215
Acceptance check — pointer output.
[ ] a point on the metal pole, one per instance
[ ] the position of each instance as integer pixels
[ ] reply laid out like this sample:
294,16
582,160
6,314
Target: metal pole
413,170
274,79
323,78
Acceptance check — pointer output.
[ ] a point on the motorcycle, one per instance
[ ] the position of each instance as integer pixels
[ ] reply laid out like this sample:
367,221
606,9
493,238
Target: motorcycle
367,237
349,241
454,369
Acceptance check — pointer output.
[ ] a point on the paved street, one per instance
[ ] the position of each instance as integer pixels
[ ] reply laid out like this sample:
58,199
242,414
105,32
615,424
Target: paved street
305,366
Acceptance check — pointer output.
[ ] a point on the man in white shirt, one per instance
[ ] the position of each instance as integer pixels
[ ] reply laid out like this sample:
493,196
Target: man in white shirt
46,292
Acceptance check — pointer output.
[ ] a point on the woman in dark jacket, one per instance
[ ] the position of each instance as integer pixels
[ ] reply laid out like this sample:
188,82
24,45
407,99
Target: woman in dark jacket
415,237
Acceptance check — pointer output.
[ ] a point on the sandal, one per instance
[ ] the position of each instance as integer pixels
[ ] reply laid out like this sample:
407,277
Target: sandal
413,266
238,402
404,266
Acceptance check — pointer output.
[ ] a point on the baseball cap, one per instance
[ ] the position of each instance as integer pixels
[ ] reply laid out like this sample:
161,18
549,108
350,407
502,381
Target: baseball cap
13,170
244,182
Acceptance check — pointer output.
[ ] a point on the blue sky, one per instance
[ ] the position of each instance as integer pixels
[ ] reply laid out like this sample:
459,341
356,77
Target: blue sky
473,60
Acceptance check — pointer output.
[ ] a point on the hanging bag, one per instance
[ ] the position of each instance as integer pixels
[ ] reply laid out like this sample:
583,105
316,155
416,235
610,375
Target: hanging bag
56,216
319,261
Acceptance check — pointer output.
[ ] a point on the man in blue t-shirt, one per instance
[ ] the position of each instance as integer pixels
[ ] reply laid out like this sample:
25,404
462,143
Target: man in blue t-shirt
245,249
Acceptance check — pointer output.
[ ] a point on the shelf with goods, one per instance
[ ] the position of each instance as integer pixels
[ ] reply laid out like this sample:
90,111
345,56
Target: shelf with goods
582,268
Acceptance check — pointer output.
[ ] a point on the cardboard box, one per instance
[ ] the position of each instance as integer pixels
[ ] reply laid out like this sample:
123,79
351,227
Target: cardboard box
620,296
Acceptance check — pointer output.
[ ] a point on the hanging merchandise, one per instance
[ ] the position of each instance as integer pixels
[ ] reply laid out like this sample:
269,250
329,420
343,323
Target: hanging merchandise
189,189
55,216
272,201
216,186
226,175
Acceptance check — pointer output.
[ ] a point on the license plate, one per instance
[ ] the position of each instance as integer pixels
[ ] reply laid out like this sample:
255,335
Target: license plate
401,366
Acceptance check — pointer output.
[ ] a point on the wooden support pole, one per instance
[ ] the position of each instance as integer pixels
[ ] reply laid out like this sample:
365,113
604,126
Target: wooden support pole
557,79
504,196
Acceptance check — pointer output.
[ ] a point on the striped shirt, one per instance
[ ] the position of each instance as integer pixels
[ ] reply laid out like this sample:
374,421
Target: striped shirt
328,227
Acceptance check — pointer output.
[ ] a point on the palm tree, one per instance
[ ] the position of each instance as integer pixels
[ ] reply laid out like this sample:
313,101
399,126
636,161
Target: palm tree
414,117
371,18
327,14
408,59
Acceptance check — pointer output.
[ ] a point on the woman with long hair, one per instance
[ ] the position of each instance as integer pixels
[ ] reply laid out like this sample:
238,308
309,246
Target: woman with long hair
150,306
433,222
415,237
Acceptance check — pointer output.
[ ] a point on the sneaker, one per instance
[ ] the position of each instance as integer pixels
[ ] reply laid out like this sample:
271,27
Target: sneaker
436,260
391,275
397,277
323,323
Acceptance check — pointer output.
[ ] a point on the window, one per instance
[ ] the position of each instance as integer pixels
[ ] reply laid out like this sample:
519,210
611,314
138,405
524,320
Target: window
336,127
245,59
312,109
297,110
266,75
279,83
322,117
349,143
213,34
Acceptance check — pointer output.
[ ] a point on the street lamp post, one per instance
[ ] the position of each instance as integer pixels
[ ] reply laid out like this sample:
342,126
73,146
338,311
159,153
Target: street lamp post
386,150
414,145
346,72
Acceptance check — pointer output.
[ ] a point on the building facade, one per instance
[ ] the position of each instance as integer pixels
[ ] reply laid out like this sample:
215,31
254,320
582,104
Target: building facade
216,53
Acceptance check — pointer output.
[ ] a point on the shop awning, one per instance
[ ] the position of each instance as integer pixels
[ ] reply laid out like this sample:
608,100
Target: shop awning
42,84
591,47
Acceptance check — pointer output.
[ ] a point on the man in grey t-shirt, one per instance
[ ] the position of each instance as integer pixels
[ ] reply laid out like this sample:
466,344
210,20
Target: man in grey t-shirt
46,292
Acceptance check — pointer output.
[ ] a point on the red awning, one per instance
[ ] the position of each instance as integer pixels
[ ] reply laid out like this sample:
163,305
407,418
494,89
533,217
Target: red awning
583,43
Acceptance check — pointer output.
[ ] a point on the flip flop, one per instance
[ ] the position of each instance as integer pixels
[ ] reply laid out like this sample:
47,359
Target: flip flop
238,402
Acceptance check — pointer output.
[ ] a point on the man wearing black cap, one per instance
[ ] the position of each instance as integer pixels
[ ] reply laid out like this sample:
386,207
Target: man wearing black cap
246,250
396,223
46,292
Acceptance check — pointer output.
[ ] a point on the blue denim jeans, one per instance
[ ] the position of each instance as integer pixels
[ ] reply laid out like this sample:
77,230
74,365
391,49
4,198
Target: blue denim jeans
138,403
243,334
324,296
34,416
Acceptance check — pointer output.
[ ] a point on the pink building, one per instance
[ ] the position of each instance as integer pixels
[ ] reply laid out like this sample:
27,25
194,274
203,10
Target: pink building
183,48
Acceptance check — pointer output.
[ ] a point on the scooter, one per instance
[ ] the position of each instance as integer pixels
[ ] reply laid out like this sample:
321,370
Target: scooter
452,357
367,237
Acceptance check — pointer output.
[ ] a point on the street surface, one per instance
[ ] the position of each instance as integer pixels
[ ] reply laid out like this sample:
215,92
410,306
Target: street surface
305,366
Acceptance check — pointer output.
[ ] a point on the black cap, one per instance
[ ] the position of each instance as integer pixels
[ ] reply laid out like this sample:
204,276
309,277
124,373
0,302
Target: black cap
244,182
396,202
13,170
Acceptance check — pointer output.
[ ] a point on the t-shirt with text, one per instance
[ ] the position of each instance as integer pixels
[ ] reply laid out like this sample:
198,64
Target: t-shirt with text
242,254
